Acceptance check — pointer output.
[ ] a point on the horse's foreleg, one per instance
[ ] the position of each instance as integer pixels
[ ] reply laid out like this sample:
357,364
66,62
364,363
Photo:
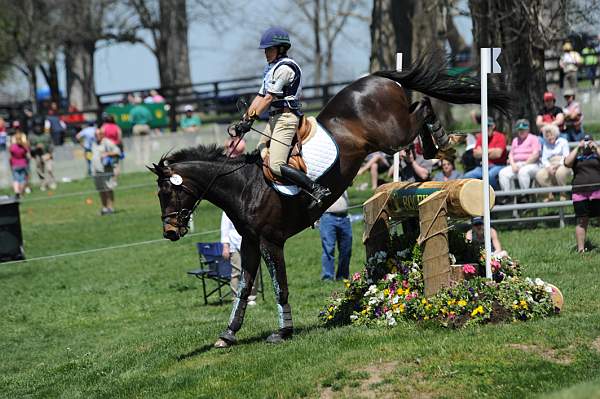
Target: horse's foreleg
273,256
250,261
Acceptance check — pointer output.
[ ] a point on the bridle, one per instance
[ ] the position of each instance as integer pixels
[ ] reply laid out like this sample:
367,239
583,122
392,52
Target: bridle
183,215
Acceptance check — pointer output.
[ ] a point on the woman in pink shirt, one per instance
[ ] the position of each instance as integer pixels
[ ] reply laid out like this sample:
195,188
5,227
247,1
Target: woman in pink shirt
523,159
112,131
19,162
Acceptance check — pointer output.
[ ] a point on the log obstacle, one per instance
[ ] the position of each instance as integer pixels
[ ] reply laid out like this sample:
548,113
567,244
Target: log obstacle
432,203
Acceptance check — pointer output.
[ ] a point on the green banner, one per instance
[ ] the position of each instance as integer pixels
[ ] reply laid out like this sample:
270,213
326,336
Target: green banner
408,199
160,116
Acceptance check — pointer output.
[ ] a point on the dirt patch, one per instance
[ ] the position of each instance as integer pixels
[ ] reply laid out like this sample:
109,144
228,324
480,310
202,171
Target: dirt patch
551,355
369,386
596,344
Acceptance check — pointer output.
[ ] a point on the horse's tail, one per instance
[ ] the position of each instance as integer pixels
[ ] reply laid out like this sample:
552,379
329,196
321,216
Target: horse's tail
429,75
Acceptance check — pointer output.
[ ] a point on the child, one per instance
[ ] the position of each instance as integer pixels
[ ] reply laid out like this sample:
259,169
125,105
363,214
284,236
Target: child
104,154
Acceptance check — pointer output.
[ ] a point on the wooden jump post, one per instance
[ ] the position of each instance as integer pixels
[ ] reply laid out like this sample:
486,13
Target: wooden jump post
432,203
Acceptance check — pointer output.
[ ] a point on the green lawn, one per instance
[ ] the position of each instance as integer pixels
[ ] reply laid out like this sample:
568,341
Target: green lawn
129,322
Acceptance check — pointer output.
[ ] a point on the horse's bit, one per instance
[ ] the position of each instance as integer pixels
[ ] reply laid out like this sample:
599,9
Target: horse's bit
182,216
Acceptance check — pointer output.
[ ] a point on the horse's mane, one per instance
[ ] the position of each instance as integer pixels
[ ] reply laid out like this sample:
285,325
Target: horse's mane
210,153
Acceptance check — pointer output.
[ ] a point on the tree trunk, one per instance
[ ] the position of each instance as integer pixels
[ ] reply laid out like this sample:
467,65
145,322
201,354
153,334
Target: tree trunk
391,33
51,76
317,34
522,42
81,89
32,79
172,50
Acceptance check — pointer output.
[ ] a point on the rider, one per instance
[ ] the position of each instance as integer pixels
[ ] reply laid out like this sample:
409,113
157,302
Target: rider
280,93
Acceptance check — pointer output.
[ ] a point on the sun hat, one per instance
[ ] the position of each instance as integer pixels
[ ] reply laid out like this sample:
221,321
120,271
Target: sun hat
522,124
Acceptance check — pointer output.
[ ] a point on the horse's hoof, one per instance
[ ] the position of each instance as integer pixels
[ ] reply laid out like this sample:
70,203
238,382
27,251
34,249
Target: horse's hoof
221,343
279,336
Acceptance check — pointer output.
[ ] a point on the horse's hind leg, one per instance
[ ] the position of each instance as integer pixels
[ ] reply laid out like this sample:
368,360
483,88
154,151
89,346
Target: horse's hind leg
250,261
432,132
273,256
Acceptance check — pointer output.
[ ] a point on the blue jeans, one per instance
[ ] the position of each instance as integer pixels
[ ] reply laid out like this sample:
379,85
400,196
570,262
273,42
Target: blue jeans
335,228
477,173
573,135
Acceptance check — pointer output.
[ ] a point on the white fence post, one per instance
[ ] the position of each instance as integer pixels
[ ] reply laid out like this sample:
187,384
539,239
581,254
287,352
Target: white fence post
397,155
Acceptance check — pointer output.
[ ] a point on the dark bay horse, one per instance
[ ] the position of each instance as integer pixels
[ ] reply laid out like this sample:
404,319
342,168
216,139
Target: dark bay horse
371,114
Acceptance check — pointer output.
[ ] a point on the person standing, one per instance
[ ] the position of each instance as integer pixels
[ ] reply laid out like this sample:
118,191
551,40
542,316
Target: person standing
104,153
55,125
86,138
3,135
112,131
335,226
585,161
140,117
189,122
569,62
590,62
573,126
19,160
41,151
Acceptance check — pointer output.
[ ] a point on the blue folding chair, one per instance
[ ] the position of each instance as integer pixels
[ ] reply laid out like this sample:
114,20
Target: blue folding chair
214,267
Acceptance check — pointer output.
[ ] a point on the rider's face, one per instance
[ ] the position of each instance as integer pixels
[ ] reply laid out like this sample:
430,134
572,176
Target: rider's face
271,54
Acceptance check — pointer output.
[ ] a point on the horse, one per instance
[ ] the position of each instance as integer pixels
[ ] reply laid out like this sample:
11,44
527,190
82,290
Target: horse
371,114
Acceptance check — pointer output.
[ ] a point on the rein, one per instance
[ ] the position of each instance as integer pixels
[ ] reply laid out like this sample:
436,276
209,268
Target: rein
183,215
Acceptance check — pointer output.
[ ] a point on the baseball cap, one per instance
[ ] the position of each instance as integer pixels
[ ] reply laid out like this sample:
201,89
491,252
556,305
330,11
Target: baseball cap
188,107
491,121
477,220
522,124
549,96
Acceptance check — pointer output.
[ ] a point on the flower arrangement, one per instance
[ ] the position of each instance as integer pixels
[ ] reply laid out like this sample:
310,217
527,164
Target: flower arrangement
398,294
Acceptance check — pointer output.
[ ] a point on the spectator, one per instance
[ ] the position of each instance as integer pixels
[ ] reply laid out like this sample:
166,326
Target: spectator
56,126
334,226
41,151
3,135
550,113
87,137
232,241
573,126
448,172
104,153
553,171
413,166
156,97
590,62
189,122
569,63
19,160
375,163
585,161
140,117
523,159
476,235
496,154
112,131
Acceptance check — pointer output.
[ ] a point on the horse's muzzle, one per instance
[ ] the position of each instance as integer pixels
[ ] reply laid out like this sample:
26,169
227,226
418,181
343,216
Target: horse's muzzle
171,232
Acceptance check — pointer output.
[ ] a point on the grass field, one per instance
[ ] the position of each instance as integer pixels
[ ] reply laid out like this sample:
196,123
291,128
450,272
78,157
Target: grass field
129,322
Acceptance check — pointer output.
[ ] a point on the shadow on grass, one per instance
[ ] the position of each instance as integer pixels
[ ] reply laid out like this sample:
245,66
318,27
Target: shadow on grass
251,340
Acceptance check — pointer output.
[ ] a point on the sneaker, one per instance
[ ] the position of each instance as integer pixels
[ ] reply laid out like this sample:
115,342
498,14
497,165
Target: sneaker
42,188
104,211
52,186
251,303
27,190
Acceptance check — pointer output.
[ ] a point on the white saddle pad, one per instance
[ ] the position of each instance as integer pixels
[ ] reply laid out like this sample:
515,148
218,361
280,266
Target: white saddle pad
319,153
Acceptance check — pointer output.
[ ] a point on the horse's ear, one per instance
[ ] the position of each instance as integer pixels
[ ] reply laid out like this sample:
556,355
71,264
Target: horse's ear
153,168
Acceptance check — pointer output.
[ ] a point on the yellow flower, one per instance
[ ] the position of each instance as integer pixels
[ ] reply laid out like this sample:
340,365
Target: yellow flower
386,292
329,317
477,310
402,306
523,304
462,303
423,301
347,283
426,318
451,302
400,291
330,309
428,306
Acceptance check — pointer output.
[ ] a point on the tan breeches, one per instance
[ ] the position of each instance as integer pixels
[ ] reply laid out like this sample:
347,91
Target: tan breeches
282,128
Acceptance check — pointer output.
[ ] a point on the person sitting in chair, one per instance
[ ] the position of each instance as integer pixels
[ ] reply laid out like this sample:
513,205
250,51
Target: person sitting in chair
280,93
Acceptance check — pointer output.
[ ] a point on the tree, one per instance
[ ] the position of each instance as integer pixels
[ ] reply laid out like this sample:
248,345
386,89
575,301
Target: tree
523,30
391,22
326,20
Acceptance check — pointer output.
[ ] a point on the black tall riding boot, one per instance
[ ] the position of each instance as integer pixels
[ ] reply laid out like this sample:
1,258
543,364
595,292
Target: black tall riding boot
299,178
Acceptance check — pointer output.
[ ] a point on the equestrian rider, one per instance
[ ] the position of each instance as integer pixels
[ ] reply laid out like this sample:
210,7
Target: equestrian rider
280,93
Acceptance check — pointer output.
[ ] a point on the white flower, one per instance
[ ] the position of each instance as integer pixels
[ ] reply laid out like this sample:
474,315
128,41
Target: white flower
539,281
353,317
391,276
372,290
396,299
548,289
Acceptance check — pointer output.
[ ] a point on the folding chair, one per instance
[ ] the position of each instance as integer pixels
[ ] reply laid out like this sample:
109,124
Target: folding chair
214,267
